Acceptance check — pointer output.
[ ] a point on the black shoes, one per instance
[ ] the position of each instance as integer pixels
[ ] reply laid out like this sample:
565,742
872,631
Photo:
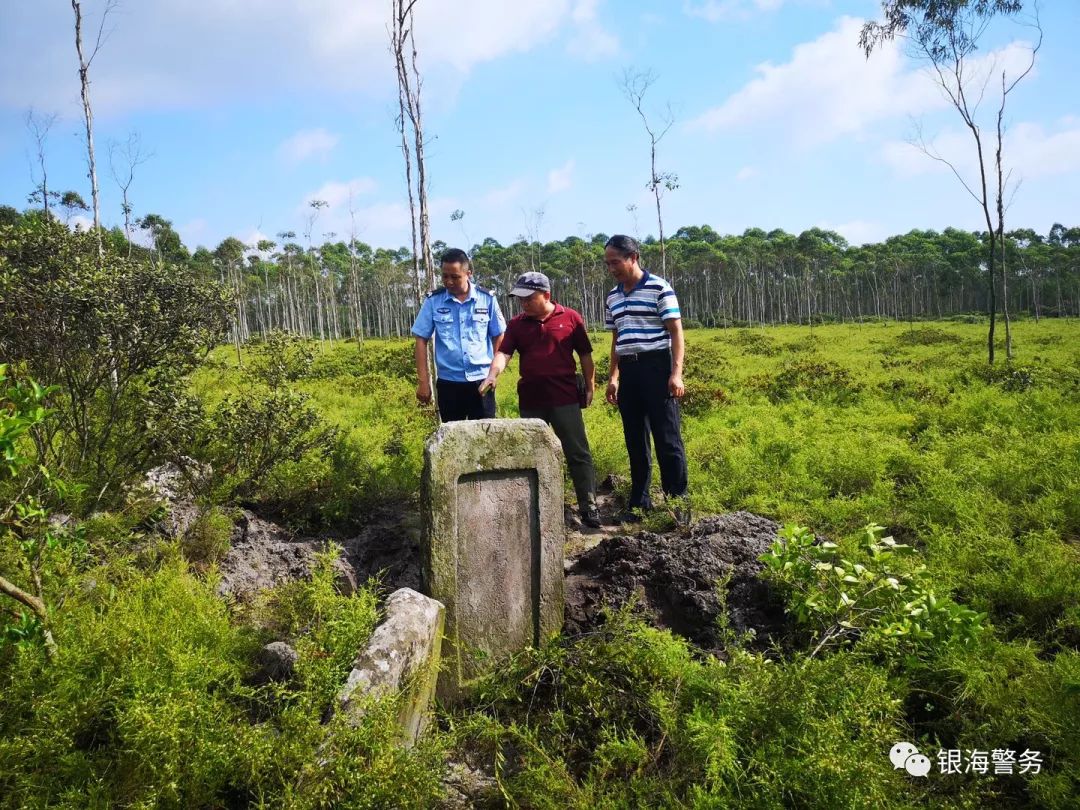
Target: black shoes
591,517
629,515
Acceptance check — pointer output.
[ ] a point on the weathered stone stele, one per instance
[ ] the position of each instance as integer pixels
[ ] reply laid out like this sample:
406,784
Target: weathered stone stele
493,538
402,656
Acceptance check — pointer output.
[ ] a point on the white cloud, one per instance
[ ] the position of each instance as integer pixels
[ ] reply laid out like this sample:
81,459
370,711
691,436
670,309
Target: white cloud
590,40
308,143
272,45
1029,150
192,233
253,237
561,179
80,222
718,10
337,194
827,89
504,194
747,173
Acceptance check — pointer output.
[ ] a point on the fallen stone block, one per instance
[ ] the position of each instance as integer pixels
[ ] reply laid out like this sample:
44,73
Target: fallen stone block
403,655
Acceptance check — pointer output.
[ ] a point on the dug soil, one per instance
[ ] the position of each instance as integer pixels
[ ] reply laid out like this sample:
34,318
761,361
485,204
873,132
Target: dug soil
700,582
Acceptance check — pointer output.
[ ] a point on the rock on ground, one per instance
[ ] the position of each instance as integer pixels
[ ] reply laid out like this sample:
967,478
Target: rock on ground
674,580
263,554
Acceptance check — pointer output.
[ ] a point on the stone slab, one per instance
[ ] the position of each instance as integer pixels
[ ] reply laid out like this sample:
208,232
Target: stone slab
403,654
493,537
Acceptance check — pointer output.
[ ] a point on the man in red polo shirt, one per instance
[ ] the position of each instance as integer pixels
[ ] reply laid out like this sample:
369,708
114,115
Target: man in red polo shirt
547,335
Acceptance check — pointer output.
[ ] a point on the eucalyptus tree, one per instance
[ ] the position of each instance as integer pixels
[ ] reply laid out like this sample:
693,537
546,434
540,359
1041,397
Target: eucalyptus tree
39,126
72,201
165,240
635,84
123,160
946,33
88,113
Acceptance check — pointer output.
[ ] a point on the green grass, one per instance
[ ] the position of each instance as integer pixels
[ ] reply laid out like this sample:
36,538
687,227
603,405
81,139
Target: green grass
977,468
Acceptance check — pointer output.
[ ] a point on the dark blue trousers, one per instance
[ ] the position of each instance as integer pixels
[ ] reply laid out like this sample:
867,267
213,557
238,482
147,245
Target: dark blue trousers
646,407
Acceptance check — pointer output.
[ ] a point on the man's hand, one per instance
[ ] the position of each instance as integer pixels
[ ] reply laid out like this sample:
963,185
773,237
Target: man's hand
423,392
675,386
487,385
589,391
612,395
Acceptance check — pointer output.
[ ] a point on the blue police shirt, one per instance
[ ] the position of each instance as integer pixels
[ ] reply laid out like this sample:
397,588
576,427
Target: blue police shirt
463,331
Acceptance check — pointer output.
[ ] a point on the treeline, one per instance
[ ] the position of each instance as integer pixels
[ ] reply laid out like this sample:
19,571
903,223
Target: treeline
343,289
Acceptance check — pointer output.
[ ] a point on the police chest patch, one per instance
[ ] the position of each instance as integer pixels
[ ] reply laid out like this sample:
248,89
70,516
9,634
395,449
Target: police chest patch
481,310
442,310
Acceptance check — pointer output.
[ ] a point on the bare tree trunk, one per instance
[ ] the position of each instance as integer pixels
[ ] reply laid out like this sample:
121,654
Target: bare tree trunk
88,114
1001,223
409,91
39,127
634,86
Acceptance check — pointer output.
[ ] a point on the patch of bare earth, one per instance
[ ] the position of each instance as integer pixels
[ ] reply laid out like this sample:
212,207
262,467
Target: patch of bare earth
672,579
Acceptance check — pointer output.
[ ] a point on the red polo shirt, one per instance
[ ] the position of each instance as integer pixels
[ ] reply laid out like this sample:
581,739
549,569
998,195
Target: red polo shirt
547,356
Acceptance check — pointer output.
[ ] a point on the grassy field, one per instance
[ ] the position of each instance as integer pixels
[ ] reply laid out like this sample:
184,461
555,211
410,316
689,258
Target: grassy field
976,467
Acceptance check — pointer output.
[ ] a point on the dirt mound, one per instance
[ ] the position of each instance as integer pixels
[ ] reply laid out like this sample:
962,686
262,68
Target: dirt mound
673,578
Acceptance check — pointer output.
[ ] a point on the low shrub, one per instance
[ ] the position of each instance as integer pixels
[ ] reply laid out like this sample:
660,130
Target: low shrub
208,538
758,343
813,379
392,358
149,705
927,336
628,717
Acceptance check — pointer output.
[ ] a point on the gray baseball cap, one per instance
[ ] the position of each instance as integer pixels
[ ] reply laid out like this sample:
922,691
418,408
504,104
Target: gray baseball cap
529,283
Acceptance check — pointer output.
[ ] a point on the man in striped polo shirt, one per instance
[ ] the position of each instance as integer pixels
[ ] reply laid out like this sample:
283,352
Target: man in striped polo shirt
646,381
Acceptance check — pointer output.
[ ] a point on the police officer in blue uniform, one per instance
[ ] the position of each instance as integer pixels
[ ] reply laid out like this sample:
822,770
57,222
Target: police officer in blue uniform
467,326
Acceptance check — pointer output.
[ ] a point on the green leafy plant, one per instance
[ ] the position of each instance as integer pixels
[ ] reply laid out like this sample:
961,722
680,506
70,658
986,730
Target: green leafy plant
874,597
24,520
207,539
120,334
280,358
250,434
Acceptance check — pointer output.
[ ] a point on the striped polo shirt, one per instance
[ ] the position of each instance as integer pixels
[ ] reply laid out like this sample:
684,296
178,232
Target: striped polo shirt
638,316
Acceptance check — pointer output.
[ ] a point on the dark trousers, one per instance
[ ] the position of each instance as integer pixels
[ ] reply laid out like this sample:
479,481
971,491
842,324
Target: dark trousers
462,400
568,425
646,407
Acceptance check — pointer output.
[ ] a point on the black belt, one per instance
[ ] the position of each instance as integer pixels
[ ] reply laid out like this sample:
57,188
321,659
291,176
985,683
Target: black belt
633,358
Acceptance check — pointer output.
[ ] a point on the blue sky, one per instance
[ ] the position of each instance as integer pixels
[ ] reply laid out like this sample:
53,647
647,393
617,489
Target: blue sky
251,108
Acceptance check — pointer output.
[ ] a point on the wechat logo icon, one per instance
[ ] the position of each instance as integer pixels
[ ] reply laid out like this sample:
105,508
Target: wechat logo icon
905,755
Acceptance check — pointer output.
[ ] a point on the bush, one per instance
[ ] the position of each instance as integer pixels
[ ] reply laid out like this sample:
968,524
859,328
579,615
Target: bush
392,358
755,343
628,717
927,336
279,358
150,706
813,379
872,596
208,538
119,334
249,435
